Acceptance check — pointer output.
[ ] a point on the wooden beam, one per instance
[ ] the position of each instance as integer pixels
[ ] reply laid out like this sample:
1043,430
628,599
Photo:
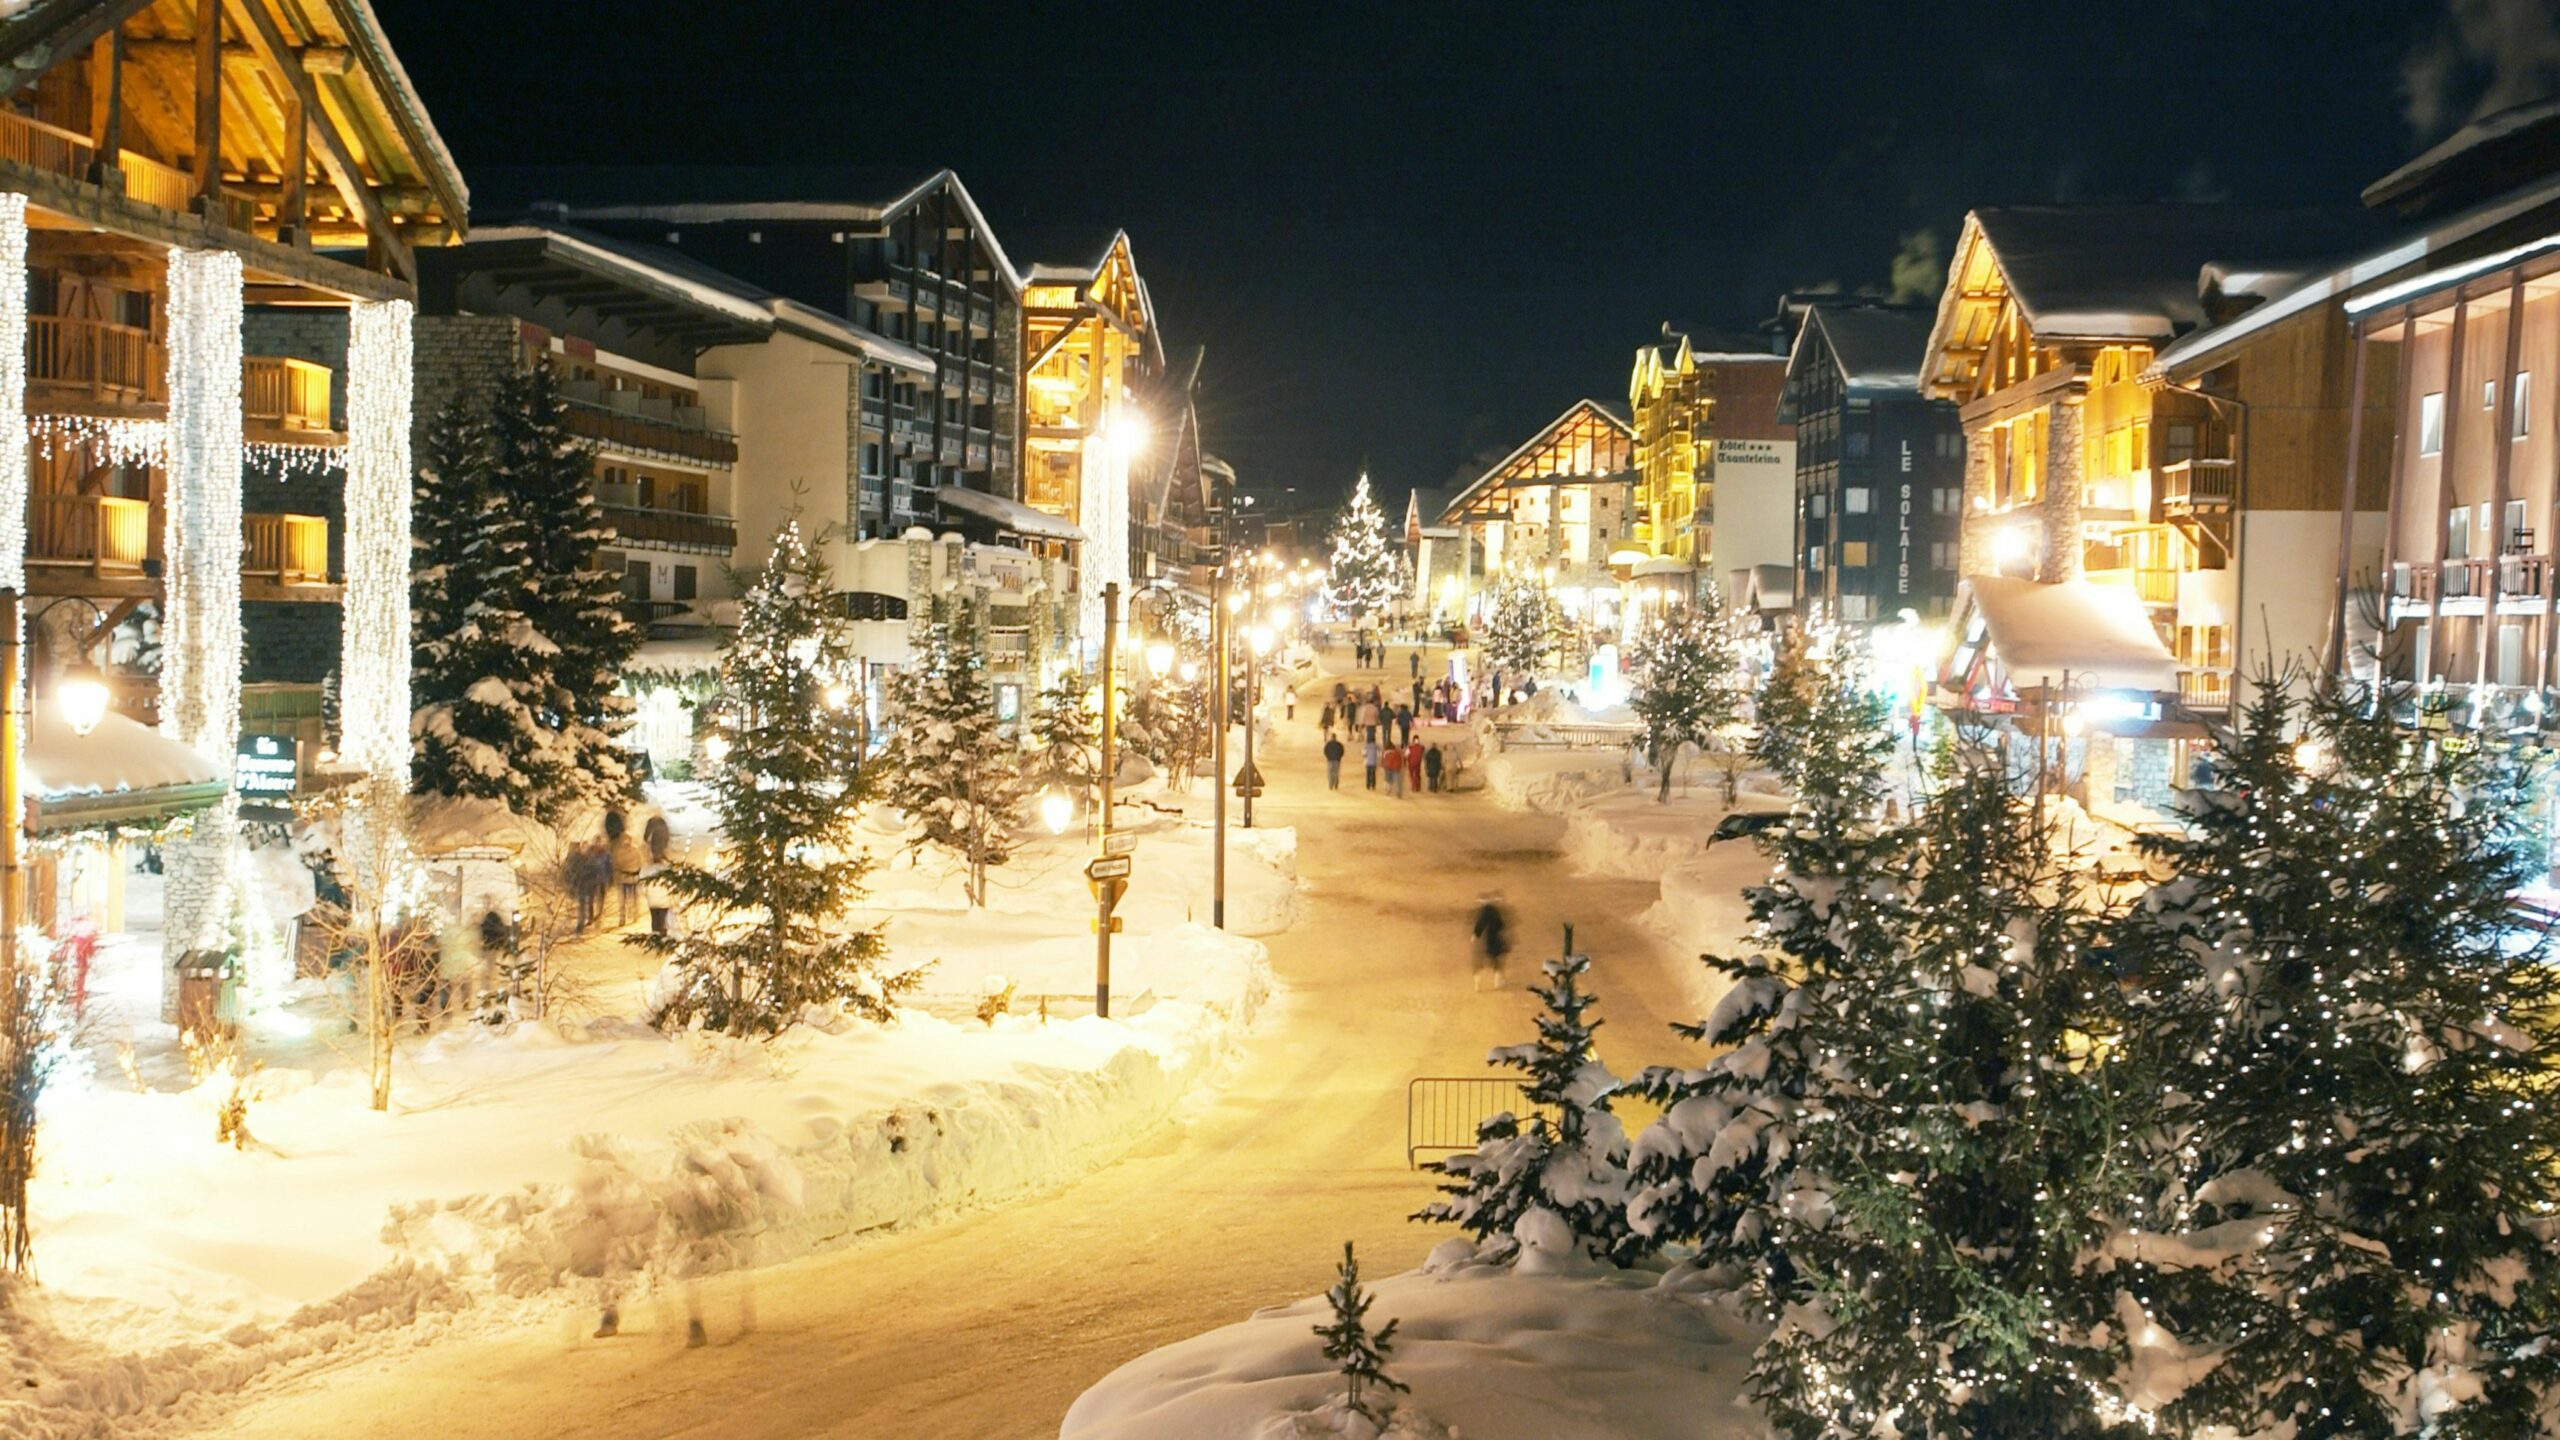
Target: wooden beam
208,171
318,59
57,195
110,133
293,207
343,174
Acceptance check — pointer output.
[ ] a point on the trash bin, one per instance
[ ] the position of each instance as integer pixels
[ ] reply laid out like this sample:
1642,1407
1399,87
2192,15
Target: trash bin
199,999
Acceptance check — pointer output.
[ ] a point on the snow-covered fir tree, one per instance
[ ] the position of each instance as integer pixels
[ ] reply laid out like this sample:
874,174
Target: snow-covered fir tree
1359,1355
1167,721
1944,1214
948,764
548,475
1360,578
2353,1033
1067,739
1522,620
1690,687
772,934
1553,1186
481,670
1715,1169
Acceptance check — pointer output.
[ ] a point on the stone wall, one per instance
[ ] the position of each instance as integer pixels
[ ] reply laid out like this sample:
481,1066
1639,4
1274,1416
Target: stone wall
457,354
289,643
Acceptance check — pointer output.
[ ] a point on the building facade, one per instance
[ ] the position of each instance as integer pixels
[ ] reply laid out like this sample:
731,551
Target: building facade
1089,348
1563,507
1879,468
1714,463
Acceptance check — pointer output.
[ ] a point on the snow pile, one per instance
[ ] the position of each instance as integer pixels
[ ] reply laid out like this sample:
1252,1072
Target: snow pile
1550,782
555,1162
1489,1354
1626,834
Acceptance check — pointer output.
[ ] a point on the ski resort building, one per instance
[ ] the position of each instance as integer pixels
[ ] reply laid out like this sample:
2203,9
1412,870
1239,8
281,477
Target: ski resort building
1089,347
1715,465
1563,507
1879,467
172,175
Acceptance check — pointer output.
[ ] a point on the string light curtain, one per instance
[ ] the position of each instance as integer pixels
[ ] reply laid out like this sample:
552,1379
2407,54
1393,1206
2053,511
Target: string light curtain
373,667
13,391
200,614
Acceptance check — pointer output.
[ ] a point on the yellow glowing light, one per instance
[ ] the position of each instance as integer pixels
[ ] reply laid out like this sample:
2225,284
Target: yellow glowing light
82,696
1056,809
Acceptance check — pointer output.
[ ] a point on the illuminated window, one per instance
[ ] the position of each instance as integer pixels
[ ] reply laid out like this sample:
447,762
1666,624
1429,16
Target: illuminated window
2431,424
2523,401
1853,552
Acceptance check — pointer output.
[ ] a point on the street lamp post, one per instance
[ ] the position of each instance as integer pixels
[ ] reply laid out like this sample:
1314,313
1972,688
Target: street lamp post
1107,874
1252,782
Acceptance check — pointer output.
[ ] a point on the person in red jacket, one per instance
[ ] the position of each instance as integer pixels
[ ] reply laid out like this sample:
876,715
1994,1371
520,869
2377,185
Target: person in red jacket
1413,765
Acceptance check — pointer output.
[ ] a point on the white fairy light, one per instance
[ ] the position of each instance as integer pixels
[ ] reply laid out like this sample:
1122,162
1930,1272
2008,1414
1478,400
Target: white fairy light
200,608
13,390
279,460
104,440
373,666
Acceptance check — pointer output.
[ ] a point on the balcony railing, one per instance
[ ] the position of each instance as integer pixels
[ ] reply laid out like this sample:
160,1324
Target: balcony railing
670,435
284,394
2413,584
642,525
27,141
2204,689
2156,587
2198,484
2524,577
106,534
2467,578
288,549
94,360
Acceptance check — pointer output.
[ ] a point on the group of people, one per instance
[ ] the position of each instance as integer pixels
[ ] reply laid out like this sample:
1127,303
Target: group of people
1407,764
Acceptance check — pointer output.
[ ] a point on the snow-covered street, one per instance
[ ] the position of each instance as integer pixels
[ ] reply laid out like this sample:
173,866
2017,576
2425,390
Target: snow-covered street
990,1325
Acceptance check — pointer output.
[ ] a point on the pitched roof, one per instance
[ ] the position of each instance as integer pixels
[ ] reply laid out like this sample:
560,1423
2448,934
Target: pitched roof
2131,272
1877,347
2493,153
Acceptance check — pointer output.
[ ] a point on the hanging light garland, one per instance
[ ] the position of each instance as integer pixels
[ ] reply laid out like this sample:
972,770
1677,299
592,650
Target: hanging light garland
373,674
13,390
280,461
109,440
200,646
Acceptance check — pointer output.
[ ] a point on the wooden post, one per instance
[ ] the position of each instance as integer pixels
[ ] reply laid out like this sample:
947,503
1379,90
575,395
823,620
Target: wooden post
2501,454
2347,508
293,208
208,176
2451,419
110,136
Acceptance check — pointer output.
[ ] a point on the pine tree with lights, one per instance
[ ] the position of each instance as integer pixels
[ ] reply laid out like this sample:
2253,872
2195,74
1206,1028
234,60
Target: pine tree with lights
2354,1036
1522,621
1067,736
775,896
480,669
1944,1211
949,765
1166,720
1553,1186
1690,687
1715,1170
1360,578
1359,1356
548,474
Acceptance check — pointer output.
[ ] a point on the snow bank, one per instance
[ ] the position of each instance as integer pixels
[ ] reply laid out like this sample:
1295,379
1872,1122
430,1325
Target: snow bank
1489,1354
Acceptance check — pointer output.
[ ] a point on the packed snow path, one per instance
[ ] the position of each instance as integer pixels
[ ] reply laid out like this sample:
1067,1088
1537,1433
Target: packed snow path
989,1326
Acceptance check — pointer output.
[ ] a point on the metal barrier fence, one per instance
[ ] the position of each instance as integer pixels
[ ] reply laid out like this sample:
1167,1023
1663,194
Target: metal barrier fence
1441,1112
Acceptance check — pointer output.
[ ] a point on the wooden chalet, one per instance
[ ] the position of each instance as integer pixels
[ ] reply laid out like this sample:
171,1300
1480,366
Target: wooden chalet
1089,341
1562,506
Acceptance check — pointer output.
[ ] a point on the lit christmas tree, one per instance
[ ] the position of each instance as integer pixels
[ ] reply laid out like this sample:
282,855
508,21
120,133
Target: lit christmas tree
1553,1186
1522,621
548,476
1361,576
1167,721
2352,1033
1943,1217
1068,739
1690,687
480,669
1716,1168
948,765
788,793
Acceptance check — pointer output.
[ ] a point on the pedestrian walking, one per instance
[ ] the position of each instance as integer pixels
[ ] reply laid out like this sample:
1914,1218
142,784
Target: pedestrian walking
1341,698
1369,759
1413,766
1325,722
1404,724
1493,941
1431,767
1369,720
1413,662
1395,772
1332,761
1289,703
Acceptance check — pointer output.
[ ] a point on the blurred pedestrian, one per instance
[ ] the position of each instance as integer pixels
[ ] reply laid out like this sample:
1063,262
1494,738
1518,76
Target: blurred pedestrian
1431,767
1332,761
1413,765
1369,758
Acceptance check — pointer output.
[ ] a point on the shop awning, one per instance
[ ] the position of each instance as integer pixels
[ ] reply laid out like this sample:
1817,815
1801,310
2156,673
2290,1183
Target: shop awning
2071,633
1011,515
121,773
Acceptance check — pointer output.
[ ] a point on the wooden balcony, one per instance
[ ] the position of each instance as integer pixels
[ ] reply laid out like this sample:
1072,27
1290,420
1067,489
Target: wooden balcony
287,549
287,401
100,534
2413,584
2156,587
2466,579
25,140
2190,486
94,367
643,525
2524,577
669,435
2204,689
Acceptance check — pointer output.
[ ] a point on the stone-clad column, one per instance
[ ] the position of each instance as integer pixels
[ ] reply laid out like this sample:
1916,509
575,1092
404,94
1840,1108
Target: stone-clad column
1974,525
200,615
2059,509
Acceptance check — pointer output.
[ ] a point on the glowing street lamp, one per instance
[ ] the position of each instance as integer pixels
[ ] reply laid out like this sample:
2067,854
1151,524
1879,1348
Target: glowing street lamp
1056,809
82,694
1159,658
715,747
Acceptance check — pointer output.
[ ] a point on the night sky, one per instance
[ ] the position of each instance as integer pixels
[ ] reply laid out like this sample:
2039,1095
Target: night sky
1412,233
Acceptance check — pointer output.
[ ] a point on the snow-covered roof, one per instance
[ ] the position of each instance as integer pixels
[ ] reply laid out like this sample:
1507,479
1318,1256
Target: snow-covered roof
1772,587
719,212
1009,514
680,655
816,324
642,265
2072,632
119,755
2131,272
2474,147
1878,348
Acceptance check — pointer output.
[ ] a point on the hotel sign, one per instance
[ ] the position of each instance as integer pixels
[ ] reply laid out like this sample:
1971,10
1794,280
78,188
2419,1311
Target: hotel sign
1748,459
1902,526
